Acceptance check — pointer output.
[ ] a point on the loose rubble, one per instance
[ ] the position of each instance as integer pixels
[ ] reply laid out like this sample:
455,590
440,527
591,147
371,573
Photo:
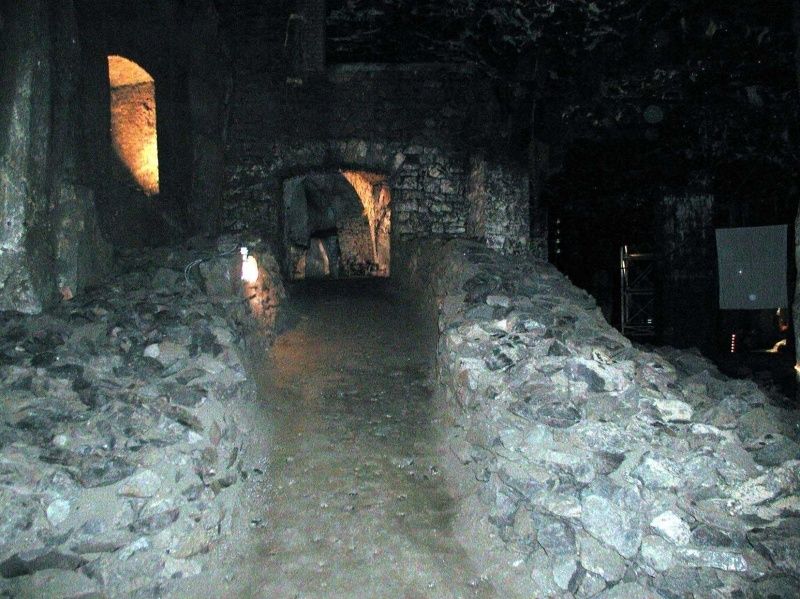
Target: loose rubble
122,449
614,471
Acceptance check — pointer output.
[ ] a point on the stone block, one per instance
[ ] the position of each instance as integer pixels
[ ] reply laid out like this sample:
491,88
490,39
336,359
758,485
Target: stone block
83,257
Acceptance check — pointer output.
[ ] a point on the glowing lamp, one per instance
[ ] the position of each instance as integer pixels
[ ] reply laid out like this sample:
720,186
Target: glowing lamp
249,267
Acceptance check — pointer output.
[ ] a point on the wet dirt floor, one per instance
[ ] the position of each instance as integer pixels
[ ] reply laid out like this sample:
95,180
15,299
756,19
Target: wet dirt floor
354,503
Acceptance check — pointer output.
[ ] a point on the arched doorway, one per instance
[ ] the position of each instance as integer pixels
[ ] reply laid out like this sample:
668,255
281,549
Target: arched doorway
338,224
133,123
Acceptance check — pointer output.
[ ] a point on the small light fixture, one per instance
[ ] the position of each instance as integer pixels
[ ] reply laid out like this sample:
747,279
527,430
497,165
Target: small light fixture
249,266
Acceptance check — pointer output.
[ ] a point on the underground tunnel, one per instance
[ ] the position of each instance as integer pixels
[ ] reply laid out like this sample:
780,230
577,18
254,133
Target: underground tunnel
377,299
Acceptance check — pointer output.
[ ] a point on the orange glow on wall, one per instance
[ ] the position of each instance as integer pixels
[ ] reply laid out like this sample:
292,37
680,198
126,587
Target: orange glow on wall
133,121
375,197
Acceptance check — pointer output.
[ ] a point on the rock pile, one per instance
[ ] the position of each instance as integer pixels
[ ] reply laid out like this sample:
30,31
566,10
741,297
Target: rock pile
121,450
613,471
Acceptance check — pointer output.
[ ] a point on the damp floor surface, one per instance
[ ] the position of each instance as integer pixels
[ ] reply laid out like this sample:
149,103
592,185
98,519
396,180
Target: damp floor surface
353,502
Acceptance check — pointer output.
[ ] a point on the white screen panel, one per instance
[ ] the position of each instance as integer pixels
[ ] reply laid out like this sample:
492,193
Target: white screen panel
752,268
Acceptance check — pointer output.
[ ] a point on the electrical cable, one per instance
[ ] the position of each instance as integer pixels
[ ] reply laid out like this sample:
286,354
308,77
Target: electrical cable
187,269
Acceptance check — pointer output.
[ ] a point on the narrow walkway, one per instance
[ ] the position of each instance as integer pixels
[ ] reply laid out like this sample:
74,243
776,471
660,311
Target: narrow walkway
357,506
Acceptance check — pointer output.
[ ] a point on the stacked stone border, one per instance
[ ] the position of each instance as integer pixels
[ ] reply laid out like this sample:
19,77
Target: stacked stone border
606,470
126,437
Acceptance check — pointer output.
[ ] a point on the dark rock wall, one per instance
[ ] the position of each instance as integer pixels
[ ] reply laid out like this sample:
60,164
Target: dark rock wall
796,305
57,158
624,98
25,107
50,241
689,282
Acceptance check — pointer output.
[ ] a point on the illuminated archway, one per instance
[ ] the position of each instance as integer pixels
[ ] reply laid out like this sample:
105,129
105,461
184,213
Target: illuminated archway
133,121
338,224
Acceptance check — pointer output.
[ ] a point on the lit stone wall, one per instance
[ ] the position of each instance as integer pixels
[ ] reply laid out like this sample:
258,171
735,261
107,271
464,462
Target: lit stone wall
375,196
133,134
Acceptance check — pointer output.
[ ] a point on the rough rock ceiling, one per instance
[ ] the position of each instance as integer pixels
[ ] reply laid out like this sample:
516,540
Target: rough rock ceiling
405,30
505,32
720,72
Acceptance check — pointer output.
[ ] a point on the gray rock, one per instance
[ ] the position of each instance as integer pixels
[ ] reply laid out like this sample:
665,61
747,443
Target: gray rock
194,543
549,413
656,472
711,558
783,551
480,312
166,278
498,300
52,584
558,541
613,515
140,544
628,590
94,536
779,481
674,410
28,562
590,585
762,421
100,472
672,528
681,581
704,535
774,449
542,576
566,573
143,484
657,553
152,523
168,352
179,568
58,511
601,560
87,409
776,587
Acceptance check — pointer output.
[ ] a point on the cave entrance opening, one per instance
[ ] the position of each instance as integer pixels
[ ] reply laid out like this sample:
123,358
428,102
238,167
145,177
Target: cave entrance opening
133,123
337,225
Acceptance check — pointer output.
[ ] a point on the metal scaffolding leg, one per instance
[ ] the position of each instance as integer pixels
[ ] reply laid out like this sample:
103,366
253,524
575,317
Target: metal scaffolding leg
637,293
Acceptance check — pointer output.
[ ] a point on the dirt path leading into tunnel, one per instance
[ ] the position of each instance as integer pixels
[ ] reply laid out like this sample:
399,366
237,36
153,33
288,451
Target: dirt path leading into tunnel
353,502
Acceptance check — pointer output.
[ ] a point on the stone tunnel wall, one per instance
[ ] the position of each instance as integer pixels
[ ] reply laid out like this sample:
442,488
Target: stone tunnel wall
49,238
428,188
602,465
418,124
